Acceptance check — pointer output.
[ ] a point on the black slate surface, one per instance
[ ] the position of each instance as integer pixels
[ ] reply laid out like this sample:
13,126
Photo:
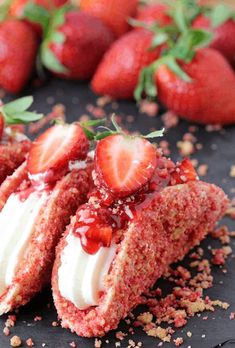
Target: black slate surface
219,153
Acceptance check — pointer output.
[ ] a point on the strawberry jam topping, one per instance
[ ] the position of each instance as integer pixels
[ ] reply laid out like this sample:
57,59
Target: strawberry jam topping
97,221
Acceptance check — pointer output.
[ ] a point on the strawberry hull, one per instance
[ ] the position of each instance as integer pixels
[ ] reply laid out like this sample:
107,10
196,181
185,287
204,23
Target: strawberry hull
177,219
34,270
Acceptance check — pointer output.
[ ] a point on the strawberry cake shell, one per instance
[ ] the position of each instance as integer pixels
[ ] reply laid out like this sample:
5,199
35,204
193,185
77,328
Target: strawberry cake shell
35,269
12,154
175,221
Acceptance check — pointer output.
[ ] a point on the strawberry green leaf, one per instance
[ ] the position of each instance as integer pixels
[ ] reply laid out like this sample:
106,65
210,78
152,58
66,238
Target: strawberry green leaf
50,61
37,14
22,117
220,14
103,135
159,39
4,8
155,134
15,112
189,42
18,105
116,126
93,123
172,64
89,134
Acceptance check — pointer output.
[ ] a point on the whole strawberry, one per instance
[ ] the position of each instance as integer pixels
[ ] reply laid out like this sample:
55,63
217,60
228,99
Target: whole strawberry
209,97
18,49
74,48
18,7
224,36
117,75
156,13
114,13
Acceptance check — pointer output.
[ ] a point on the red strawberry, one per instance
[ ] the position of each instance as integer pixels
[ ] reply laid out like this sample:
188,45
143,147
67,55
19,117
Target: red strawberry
184,172
209,97
118,73
85,41
56,147
114,13
124,164
1,126
224,36
17,8
154,13
18,49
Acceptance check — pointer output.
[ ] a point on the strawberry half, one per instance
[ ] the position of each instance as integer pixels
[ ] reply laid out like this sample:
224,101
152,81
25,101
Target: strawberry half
56,147
184,172
124,164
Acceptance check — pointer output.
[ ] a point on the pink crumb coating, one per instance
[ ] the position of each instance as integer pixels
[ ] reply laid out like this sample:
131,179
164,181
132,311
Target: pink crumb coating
177,220
12,154
35,269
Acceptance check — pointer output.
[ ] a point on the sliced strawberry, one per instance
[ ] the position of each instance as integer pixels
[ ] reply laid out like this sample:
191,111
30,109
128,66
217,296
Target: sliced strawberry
184,172
101,234
56,147
93,227
124,164
1,125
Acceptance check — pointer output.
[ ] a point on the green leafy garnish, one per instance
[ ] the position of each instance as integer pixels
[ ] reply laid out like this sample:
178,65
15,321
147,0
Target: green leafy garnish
15,112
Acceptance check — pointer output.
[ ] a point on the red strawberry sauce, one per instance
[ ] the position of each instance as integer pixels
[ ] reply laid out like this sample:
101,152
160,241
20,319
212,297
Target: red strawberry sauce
98,220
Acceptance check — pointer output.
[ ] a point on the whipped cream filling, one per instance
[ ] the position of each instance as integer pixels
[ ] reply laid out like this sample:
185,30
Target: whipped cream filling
81,275
17,220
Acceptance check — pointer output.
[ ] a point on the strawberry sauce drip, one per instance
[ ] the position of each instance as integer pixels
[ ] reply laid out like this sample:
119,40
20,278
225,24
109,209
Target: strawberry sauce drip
98,220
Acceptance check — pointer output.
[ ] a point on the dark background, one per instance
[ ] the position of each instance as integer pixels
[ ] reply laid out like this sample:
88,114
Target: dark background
218,152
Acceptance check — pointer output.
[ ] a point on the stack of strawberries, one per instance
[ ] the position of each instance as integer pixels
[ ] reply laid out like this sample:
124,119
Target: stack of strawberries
183,54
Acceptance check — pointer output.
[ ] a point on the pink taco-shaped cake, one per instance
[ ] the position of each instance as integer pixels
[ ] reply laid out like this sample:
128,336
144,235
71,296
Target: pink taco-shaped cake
36,204
14,145
144,213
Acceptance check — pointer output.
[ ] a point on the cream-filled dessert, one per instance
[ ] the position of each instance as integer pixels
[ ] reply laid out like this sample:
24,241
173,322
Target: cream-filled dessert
144,213
36,204
17,220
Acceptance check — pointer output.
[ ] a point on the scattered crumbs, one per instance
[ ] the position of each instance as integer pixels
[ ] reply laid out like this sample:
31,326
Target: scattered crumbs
189,334
54,324
37,318
213,127
232,316
170,119
29,342
202,169
186,147
73,344
6,331
120,335
15,341
97,112
178,341
57,113
203,336
149,108
232,171
117,344
43,344
102,101
98,343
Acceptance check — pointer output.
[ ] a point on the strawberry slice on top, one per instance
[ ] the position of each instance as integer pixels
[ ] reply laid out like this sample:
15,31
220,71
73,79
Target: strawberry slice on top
56,147
124,163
